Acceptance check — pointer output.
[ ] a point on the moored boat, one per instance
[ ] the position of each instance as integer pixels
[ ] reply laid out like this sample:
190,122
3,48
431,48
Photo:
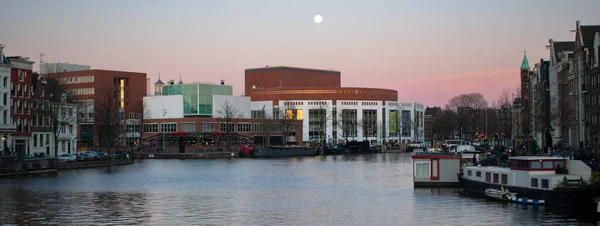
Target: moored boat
285,151
555,181
499,194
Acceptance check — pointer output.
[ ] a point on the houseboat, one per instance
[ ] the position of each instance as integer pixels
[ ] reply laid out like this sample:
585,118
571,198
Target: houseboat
559,182
436,169
285,151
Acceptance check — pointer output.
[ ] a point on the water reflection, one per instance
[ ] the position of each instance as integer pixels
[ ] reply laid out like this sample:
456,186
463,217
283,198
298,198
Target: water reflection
331,190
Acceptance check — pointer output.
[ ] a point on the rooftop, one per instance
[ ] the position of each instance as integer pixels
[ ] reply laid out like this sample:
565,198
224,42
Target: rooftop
535,158
266,68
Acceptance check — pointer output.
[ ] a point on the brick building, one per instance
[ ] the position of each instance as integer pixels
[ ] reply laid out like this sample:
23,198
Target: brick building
21,79
99,93
430,115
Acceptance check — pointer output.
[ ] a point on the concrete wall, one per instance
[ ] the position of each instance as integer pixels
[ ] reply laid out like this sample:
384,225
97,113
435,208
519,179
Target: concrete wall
171,105
240,103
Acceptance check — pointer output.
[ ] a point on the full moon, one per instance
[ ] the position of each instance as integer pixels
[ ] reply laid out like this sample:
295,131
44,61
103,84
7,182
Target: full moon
318,19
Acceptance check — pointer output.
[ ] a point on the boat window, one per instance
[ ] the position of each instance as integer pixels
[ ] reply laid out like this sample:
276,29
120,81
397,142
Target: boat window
469,173
488,177
559,164
422,169
536,164
478,174
504,179
534,182
548,165
545,183
495,178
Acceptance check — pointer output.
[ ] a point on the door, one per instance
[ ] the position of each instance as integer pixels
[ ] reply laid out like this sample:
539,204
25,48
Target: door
435,169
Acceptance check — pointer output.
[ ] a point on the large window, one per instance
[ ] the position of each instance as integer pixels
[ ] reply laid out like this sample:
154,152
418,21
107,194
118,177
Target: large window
317,119
504,179
168,127
189,127
209,126
545,183
226,127
534,182
488,177
422,170
151,128
244,127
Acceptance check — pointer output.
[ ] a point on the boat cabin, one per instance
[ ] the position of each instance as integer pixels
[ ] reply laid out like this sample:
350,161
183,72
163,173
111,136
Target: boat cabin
535,172
437,169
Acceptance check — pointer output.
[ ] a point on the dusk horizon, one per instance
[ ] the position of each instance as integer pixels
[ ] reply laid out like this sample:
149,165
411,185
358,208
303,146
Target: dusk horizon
429,52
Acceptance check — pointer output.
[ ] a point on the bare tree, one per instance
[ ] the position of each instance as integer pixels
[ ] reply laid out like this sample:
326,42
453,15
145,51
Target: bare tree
141,120
413,125
318,118
347,123
368,125
60,110
106,116
264,127
445,124
289,119
229,116
469,108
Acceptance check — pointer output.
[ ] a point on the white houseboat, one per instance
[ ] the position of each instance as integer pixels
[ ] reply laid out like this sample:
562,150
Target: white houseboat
557,181
436,169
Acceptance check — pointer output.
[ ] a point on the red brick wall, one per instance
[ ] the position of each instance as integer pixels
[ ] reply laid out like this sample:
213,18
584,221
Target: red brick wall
344,93
22,129
289,78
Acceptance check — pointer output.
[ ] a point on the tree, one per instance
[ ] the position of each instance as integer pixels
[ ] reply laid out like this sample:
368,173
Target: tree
369,125
106,116
469,108
62,110
289,119
141,121
265,128
317,121
347,124
445,124
229,115
414,125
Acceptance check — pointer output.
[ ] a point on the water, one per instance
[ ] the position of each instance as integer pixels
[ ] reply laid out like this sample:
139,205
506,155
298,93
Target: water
332,190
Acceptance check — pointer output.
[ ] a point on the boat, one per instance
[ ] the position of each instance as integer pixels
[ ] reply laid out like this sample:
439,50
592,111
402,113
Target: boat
499,194
556,181
285,151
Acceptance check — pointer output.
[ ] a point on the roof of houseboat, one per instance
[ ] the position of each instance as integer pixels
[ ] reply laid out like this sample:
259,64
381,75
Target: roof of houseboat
433,155
497,169
536,158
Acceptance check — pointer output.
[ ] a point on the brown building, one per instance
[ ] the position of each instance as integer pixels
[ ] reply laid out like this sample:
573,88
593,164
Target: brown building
289,77
107,98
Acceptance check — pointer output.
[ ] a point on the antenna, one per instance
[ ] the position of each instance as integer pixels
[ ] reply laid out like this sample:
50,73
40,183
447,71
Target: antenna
41,60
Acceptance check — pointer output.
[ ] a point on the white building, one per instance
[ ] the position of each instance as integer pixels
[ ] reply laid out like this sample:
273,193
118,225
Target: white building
6,124
46,68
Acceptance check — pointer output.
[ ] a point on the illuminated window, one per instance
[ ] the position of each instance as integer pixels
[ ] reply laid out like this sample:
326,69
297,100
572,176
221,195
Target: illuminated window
299,115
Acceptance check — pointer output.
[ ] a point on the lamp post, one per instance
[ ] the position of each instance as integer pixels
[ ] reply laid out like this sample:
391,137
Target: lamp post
161,126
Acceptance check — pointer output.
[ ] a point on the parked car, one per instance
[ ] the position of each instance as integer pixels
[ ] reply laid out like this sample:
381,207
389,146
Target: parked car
67,158
85,156
102,155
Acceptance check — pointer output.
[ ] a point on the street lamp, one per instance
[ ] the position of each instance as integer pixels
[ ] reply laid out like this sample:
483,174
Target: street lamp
161,126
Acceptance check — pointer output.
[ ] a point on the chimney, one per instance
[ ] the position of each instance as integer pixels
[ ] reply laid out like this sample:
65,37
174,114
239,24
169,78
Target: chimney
222,81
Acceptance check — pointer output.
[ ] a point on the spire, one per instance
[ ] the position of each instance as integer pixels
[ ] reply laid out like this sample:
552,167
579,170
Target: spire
180,82
525,64
159,82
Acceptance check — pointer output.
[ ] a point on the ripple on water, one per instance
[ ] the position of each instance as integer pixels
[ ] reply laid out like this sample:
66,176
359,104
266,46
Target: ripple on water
348,190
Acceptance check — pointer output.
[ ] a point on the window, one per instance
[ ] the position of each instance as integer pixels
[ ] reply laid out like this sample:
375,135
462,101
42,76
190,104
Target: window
5,99
495,178
34,104
168,127
422,170
188,127
41,140
209,126
469,173
560,164
71,129
244,127
226,127
47,139
536,165
151,128
545,183
5,82
131,115
534,182
35,120
35,140
488,177
504,179
21,75
139,116
478,174
548,165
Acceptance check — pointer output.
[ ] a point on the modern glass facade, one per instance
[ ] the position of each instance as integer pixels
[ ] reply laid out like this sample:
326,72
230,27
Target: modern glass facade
197,97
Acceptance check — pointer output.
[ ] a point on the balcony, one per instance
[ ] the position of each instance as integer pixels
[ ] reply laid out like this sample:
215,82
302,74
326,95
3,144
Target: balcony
8,128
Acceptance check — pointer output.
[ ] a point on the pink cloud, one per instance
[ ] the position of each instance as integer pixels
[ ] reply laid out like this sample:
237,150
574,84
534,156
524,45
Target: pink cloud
437,90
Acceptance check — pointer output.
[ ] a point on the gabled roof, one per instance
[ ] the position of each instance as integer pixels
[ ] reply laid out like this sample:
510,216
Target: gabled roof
588,32
561,47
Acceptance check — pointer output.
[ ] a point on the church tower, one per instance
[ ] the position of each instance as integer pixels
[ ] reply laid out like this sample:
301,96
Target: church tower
526,104
158,86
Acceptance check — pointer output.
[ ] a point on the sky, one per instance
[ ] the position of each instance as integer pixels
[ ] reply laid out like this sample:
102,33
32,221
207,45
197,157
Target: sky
430,51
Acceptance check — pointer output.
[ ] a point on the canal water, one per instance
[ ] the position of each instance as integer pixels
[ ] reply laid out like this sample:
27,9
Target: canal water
333,190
